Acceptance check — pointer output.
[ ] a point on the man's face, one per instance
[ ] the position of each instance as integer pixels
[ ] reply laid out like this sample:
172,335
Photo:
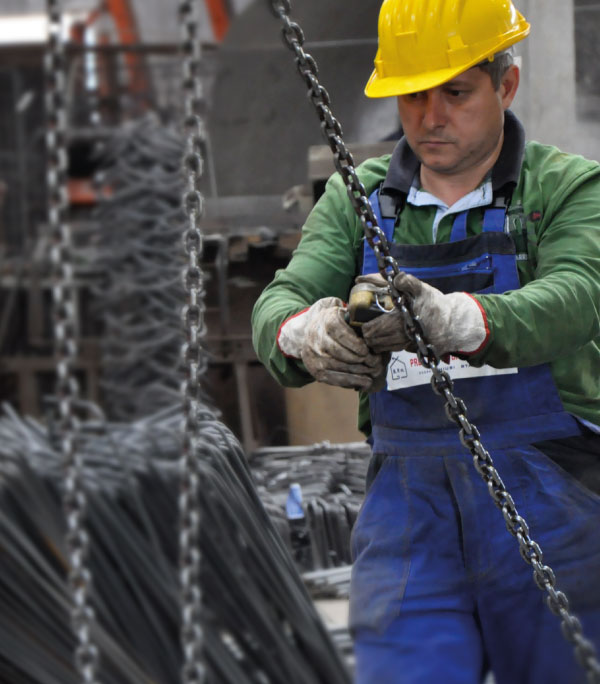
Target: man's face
456,126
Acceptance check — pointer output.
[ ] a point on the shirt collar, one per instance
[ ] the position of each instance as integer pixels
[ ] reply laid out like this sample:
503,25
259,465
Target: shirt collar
507,169
480,197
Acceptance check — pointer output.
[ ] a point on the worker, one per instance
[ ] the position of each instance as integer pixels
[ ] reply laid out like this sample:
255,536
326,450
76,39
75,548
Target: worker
498,244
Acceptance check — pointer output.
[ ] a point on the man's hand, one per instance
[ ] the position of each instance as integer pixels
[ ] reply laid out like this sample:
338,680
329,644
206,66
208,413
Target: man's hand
330,349
452,323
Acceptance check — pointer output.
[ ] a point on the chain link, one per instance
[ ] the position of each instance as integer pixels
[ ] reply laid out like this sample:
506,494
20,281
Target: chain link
86,654
441,382
193,357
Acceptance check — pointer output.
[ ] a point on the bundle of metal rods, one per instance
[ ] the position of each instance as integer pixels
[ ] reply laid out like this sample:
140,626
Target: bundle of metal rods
140,224
259,622
332,480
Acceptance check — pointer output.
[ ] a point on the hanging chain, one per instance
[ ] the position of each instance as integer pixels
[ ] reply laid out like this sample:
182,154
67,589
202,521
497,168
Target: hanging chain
65,342
193,357
441,382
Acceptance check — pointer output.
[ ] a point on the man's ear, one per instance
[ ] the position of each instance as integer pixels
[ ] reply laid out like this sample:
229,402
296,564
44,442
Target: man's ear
509,85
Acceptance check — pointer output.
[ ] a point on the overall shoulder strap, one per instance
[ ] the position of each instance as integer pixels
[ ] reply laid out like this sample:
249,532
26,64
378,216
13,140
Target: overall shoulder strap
494,218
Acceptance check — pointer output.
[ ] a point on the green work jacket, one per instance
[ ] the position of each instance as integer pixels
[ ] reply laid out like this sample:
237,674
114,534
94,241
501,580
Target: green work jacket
554,217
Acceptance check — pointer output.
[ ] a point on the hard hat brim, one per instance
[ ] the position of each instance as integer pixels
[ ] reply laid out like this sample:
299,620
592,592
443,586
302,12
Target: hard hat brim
404,85
392,86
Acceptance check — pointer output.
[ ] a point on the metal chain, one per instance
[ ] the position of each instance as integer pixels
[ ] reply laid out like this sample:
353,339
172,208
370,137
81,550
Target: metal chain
441,382
193,357
65,342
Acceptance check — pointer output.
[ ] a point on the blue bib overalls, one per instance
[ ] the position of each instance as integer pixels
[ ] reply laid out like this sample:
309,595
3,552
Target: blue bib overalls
439,591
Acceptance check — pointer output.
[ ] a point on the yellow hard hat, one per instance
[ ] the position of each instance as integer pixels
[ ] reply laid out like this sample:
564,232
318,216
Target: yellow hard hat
424,43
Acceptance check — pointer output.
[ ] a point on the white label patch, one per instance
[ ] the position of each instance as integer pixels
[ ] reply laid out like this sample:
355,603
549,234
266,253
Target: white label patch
404,370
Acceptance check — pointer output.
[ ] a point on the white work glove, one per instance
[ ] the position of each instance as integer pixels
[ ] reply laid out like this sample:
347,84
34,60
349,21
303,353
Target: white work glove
331,350
453,323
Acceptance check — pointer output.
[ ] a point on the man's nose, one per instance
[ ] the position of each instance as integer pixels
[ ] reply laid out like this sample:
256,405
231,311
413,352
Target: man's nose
434,115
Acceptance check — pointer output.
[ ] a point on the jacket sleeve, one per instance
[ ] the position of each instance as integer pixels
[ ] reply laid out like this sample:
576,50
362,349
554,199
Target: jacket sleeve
323,265
558,312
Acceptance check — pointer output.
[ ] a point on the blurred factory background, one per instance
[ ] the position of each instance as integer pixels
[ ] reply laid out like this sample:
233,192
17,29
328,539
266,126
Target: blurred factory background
264,167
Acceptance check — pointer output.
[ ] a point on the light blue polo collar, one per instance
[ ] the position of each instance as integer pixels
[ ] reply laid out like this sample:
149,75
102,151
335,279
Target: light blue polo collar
480,197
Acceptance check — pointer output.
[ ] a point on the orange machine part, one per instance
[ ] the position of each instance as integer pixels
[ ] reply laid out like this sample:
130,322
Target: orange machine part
122,14
218,17
82,191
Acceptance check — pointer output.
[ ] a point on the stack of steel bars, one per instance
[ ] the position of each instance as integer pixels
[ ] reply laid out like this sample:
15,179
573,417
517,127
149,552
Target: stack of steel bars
260,625
332,480
140,224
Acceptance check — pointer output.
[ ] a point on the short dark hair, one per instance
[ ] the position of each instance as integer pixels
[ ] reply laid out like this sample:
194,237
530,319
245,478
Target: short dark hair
499,66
